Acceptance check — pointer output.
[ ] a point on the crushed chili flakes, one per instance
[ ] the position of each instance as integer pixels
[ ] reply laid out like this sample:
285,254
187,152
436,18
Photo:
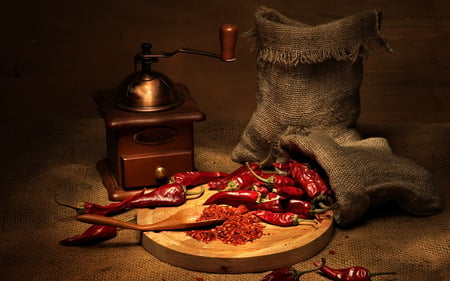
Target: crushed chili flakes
239,227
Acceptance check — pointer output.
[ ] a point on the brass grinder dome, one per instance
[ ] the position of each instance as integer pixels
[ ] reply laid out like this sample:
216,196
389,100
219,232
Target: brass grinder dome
147,90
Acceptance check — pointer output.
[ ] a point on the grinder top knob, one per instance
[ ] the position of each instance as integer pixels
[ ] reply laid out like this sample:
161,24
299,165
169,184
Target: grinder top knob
148,90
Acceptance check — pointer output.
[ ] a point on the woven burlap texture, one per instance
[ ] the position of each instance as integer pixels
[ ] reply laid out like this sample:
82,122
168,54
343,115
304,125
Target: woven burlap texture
308,81
308,77
366,173
47,157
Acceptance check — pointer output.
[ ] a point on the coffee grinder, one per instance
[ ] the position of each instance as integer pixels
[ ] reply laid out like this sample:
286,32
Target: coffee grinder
149,122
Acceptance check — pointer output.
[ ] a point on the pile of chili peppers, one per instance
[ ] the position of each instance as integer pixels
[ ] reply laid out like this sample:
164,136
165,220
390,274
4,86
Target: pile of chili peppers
354,273
174,193
297,193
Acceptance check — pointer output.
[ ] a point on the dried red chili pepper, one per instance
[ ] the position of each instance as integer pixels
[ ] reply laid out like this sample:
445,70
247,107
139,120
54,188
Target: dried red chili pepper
234,198
282,167
243,181
308,179
304,209
221,183
274,205
194,178
172,194
288,273
273,180
94,234
272,195
263,190
293,192
280,219
354,273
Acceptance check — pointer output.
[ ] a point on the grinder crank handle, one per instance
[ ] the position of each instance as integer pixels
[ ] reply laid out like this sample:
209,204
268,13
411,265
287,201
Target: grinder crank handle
228,38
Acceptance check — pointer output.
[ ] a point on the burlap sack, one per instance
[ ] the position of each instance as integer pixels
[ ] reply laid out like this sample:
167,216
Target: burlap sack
308,82
308,77
366,173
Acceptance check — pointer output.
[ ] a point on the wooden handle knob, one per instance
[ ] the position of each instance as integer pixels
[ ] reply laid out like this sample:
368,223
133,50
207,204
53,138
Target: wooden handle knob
228,37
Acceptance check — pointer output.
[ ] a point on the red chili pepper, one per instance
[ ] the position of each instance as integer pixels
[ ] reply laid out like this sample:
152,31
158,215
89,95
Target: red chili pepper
279,219
94,234
283,274
308,179
273,180
172,194
305,209
354,273
274,205
263,190
240,182
222,183
234,198
282,168
272,195
288,273
194,178
290,192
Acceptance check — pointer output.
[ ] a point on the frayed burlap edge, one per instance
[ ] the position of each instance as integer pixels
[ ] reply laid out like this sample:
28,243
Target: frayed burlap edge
310,46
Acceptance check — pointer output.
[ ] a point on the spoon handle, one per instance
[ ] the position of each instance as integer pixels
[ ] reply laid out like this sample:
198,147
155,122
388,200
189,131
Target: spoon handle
102,220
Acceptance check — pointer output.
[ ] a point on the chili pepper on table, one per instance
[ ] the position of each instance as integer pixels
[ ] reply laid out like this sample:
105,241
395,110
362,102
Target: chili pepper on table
280,219
94,234
222,183
172,194
282,168
243,181
272,195
354,273
304,209
309,179
194,178
274,205
293,192
234,198
263,190
288,273
273,180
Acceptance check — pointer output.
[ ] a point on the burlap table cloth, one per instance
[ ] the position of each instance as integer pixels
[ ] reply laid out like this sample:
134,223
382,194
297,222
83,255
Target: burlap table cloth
42,158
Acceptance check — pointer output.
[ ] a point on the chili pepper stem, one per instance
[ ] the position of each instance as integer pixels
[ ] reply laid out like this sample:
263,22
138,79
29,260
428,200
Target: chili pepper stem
257,176
268,157
307,220
79,210
382,273
300,273
232,186
323,208
195,194
322,205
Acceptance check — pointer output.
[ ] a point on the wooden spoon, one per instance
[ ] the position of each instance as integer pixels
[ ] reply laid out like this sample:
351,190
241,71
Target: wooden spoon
183,219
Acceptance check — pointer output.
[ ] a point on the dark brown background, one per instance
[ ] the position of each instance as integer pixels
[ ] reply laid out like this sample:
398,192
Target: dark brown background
56,54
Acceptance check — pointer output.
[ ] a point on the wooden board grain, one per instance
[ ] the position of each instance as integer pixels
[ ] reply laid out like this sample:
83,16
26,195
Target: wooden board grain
278,247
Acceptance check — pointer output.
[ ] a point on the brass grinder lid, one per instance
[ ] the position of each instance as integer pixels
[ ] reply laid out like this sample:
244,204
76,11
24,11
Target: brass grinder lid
147,91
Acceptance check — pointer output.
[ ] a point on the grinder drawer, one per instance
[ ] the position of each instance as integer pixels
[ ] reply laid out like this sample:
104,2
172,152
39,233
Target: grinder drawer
139,170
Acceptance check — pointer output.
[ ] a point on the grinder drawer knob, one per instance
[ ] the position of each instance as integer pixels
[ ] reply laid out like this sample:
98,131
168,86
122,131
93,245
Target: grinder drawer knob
160,173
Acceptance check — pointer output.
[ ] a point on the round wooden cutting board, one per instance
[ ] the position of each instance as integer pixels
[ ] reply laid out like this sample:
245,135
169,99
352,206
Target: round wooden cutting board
278,247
